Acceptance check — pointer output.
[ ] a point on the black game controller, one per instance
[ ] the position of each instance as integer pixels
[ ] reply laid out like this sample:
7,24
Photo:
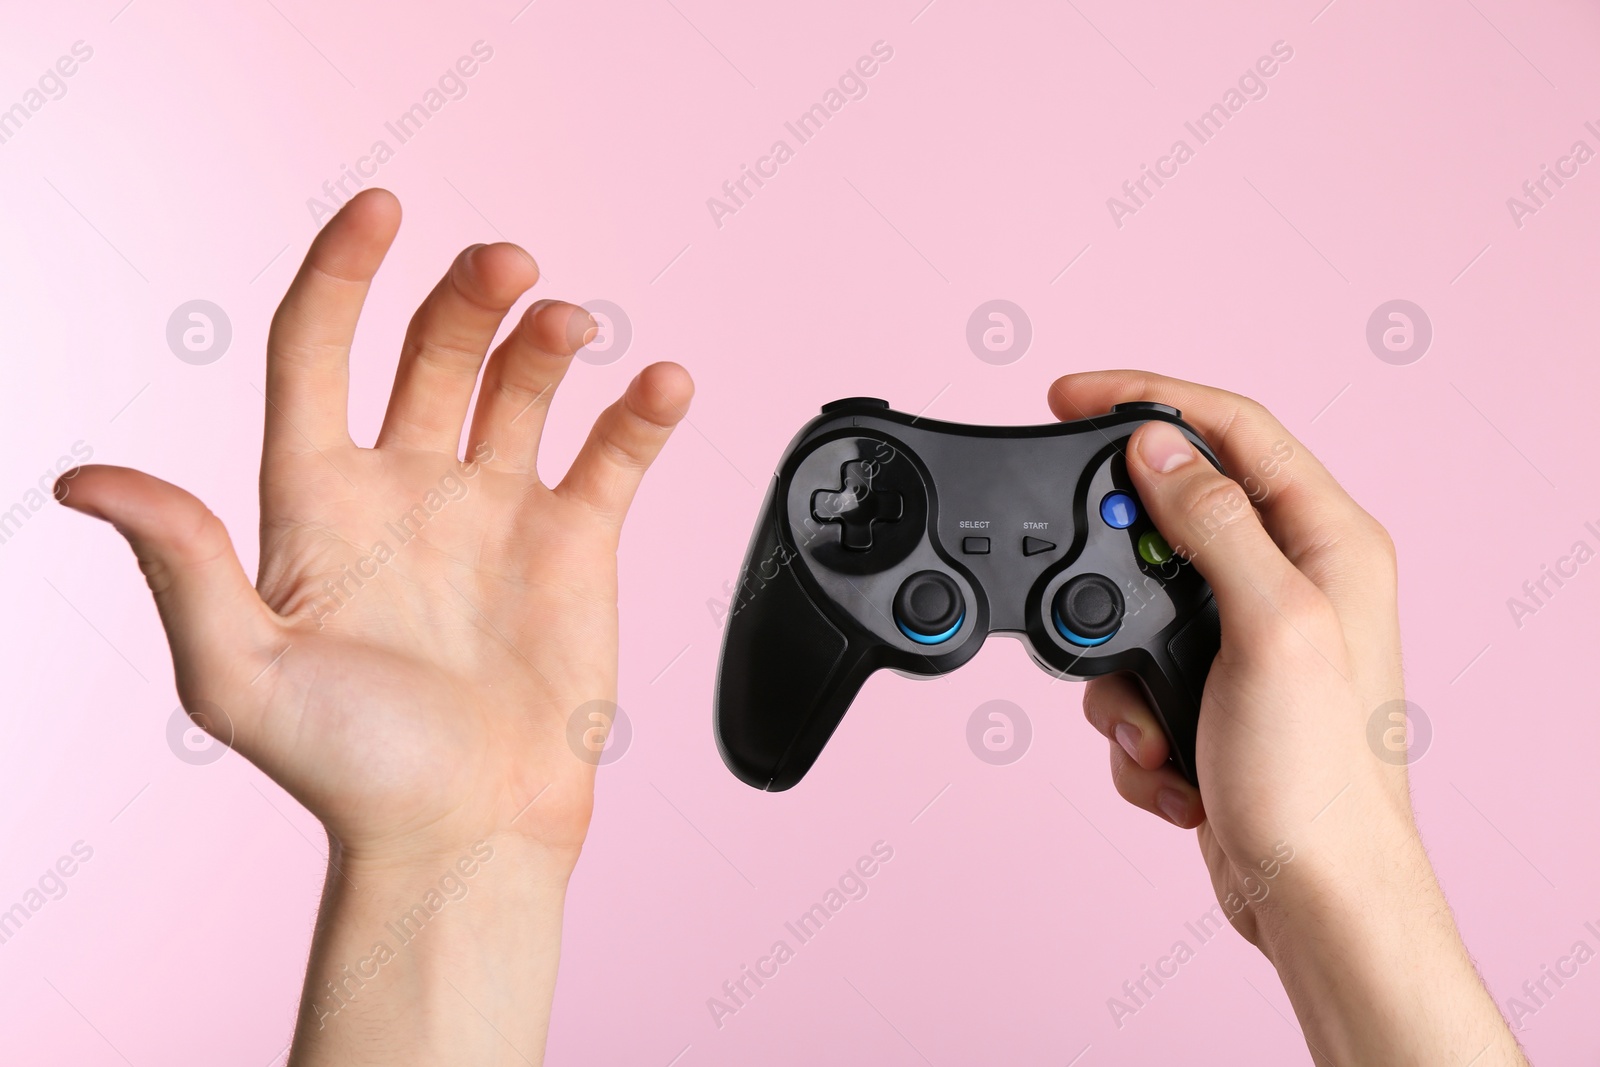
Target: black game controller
890,540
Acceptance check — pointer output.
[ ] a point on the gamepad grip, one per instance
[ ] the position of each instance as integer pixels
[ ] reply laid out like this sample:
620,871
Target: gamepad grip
892,541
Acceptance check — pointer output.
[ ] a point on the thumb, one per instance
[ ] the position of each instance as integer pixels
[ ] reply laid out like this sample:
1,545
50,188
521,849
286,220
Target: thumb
214,620
1212,524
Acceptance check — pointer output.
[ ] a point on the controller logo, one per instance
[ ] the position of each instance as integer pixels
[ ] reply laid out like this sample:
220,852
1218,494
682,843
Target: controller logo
616,334
1399,332
1399,732
999,332
201,738
599,732
999,732
199,332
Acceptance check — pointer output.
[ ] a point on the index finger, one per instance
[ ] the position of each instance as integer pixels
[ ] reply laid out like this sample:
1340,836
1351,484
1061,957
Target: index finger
308,348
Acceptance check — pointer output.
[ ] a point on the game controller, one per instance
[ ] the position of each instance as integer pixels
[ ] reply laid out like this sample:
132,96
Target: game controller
893,541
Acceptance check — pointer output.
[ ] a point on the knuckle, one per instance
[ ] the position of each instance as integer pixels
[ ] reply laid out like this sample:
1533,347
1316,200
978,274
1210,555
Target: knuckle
1250,408
449,355
522,391
1211,503
1241,411
1305,608
1095,712
623,455
1305,625
1379,542
1124,774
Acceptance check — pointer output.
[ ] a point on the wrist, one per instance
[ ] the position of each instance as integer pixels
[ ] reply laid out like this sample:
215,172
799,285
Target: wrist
1349,872
453,947
1363,940
400,865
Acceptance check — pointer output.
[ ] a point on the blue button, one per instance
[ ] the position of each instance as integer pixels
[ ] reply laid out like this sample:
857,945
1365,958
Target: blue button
1118,510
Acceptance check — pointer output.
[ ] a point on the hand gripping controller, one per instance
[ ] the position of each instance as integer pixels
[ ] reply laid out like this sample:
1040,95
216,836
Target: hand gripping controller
892,541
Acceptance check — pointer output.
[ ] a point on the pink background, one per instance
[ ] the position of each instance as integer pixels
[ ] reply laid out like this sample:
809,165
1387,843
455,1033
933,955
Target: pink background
177,167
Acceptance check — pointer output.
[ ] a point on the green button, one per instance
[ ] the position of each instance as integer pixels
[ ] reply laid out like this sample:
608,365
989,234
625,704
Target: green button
1153,548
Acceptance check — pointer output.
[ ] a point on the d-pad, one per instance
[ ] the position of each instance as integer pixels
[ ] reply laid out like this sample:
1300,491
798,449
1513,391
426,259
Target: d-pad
856,505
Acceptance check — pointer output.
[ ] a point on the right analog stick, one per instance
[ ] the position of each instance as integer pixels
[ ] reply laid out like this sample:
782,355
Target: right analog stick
929,607
1089,609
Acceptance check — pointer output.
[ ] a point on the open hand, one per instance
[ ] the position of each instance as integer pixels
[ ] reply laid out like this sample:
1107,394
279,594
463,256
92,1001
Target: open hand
422,628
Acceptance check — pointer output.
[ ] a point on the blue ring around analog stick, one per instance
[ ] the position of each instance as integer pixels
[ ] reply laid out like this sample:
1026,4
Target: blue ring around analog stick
936,638
929,608
1079,639
1088,610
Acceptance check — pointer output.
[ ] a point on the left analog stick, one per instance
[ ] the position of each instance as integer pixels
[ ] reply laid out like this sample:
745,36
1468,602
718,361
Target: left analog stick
929,607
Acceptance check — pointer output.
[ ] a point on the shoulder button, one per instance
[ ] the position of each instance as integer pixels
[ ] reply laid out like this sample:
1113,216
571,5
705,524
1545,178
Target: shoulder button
853,402
1145,405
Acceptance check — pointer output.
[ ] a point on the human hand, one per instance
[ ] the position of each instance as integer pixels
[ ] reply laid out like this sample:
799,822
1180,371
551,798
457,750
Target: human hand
421,629
1305,586
1308,836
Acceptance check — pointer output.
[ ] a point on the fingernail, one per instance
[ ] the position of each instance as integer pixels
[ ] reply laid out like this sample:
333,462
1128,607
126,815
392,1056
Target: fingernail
1163,447
590,334
1128,738
1173,806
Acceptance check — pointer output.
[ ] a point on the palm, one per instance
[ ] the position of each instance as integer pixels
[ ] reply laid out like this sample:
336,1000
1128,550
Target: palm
422,629
431,627
1287,726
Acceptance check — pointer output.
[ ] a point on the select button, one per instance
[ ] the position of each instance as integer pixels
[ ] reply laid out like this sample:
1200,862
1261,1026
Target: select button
975,546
